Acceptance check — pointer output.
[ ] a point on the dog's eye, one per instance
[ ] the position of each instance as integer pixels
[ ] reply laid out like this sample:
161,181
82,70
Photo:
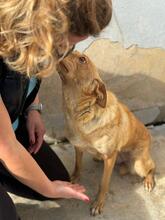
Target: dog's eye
82,60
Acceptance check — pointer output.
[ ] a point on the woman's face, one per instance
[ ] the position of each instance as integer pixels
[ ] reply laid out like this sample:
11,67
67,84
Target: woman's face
74,39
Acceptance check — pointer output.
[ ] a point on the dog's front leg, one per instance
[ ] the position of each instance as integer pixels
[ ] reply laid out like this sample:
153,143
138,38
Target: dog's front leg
78,164
98,205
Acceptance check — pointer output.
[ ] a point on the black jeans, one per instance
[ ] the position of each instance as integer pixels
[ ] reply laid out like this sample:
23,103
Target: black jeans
49,163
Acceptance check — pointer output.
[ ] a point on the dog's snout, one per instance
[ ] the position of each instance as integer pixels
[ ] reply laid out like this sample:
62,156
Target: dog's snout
62,67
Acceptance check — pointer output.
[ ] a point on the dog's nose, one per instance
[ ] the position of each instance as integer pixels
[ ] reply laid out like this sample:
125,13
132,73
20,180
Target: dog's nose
63,55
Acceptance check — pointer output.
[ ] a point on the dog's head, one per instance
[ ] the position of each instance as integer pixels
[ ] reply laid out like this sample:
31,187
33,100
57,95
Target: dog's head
80,75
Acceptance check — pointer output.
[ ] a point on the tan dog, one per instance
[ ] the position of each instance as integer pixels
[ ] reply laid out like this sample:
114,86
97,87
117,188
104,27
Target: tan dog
98,123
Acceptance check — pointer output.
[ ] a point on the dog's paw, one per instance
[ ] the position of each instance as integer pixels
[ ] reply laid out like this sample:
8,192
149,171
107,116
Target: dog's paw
96,208
149,183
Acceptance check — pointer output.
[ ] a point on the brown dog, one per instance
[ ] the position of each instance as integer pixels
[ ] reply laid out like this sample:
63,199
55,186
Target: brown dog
98,123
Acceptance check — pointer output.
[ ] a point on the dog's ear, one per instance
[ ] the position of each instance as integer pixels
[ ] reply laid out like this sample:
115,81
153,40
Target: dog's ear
99,91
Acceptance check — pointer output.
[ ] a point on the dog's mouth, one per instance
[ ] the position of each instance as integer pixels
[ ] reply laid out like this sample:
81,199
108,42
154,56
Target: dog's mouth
62,69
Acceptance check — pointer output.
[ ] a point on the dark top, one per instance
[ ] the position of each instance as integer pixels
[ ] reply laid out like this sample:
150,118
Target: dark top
13,90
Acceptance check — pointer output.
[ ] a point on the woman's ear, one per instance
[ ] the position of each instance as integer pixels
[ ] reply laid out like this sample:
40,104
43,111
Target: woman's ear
99,91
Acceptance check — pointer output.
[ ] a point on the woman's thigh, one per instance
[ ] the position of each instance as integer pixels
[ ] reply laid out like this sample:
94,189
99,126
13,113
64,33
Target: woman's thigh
51,164
46,157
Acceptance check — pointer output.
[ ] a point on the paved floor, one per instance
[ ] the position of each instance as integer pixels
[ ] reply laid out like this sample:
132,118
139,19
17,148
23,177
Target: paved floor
126,200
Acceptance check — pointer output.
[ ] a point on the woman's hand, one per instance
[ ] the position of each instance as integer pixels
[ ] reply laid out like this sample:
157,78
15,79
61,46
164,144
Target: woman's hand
68,190
36,130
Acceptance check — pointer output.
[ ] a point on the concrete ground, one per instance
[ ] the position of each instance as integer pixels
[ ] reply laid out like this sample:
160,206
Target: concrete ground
126,199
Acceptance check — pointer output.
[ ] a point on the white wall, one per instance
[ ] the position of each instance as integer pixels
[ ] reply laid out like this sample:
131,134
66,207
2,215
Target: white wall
139,22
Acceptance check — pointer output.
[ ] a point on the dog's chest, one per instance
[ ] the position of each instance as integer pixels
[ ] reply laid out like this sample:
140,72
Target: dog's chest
95,144
98,146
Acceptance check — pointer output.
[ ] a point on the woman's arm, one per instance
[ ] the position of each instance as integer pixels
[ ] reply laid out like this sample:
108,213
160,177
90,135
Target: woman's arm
21,165
35,128
18,161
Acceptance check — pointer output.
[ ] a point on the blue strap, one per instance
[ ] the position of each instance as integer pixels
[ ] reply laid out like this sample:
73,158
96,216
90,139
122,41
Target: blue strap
32,84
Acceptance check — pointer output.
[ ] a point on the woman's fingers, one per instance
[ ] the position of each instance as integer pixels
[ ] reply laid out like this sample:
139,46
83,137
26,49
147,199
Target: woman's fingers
81,196
78,192
69,190
78,188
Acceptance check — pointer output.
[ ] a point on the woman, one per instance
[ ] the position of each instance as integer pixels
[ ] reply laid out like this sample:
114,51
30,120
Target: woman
34,36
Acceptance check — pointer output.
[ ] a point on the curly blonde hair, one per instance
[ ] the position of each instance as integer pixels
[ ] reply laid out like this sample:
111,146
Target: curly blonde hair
32,31
29,30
